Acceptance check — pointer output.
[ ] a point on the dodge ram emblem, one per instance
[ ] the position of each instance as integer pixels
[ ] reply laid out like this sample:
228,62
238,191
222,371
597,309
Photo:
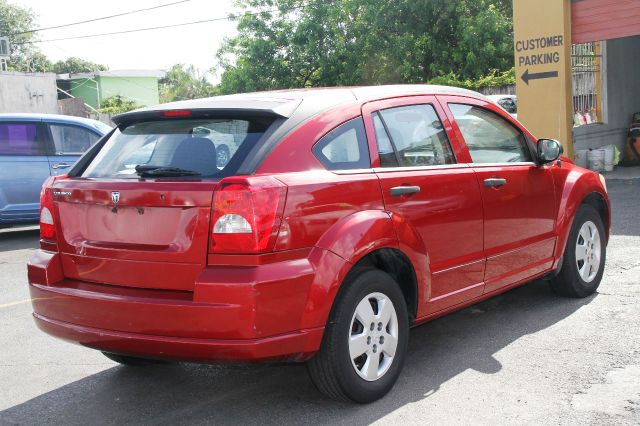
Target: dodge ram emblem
115,197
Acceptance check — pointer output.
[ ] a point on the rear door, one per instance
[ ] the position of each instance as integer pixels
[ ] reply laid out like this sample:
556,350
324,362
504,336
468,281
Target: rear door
23,169
69,142
435,201
517,195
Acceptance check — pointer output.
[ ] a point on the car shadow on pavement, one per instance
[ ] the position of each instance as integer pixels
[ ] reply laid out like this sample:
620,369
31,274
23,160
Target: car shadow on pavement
19,239
203,394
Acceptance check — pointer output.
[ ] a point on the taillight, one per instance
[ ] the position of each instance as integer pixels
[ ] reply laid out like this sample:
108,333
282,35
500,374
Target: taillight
247,213
47,223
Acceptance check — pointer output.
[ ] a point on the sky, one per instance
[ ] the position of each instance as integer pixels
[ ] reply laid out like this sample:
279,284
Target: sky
157,49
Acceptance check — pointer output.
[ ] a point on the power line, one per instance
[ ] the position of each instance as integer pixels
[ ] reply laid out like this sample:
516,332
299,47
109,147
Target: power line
95,19
161,27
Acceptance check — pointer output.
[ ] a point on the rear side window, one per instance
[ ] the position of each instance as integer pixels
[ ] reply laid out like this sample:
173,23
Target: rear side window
344,148
21,139
70,139
416,133
489,137
198,148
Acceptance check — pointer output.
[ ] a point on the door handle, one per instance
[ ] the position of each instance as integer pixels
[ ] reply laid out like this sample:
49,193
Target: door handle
60,166
398,191
494,182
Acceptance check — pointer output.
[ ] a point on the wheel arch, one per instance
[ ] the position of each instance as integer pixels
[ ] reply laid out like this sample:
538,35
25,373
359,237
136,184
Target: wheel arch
364,239
597,201
398,265
580,188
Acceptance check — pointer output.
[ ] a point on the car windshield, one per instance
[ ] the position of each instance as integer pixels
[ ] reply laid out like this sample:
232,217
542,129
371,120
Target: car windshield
196,148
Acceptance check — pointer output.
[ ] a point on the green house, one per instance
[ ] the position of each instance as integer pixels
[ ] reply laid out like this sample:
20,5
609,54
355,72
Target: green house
139,85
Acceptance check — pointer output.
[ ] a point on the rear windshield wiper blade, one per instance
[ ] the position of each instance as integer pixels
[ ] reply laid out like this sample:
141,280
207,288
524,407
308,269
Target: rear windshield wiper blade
144,170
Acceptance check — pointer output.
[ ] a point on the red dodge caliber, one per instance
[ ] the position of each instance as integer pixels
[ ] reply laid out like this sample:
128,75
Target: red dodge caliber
337,219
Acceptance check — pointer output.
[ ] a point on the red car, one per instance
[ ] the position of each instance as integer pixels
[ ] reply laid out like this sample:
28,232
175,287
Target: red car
344,217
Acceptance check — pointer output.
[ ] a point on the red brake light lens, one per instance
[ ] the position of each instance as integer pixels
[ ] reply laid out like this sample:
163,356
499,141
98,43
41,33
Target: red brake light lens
47,225
177,113
246,216
48,238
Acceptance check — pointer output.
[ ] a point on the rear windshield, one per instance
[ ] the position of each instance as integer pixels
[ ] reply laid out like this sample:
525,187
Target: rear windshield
197,148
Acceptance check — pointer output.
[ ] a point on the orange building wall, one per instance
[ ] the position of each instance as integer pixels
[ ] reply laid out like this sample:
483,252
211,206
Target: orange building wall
595,20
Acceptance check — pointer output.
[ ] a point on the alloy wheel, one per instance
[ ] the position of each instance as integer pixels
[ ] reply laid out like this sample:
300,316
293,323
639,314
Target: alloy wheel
588,251
373,339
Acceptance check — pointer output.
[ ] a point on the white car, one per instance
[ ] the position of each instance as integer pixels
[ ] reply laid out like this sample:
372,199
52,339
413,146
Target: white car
508,102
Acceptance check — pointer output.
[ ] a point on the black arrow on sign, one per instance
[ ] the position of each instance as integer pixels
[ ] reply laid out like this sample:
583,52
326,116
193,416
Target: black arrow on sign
537,75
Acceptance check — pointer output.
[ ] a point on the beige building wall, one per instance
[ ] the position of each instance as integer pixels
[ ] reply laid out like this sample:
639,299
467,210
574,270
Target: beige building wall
33,92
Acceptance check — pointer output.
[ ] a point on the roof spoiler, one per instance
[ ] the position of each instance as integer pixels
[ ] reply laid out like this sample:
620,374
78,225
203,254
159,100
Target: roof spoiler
211,108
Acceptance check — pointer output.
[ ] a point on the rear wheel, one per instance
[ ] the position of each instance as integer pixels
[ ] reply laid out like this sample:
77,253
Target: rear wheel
131,360
365,341
584,256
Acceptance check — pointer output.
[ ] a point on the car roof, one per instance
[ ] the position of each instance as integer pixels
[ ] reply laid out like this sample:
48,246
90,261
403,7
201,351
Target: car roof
56,118
283,103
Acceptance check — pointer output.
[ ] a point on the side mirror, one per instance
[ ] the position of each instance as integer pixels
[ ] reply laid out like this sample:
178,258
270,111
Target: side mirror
549,150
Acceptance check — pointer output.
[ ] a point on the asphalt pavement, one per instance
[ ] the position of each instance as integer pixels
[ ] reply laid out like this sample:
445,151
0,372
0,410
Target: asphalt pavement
525,357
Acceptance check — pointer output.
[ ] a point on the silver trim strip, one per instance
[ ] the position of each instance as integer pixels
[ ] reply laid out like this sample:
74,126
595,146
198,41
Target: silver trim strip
453,293
421,168
523,163
453,268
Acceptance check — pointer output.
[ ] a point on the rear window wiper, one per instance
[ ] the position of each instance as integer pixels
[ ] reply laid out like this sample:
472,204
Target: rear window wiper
146,170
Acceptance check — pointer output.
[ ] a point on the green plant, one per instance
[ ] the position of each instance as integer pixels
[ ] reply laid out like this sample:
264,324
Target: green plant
493,79
117,104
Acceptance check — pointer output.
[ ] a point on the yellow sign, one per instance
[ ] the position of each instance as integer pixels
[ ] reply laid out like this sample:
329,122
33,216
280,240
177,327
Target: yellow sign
542,42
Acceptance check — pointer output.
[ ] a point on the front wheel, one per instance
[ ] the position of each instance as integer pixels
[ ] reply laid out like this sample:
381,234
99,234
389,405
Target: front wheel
365,341
584,256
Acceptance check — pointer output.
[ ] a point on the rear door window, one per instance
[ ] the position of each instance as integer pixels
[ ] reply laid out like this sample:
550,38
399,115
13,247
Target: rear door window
21,139
70,140
178,148
416,133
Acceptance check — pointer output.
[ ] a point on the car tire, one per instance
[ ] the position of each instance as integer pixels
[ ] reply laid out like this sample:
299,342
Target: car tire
131,360
370,296
222,155
584,256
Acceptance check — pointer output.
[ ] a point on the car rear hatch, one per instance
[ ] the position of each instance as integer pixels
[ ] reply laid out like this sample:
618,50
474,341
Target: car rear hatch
136,211
142,234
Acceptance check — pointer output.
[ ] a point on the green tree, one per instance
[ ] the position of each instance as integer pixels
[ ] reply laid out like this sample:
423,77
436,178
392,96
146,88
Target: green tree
25,56
118,104
347,42
185,82
75,65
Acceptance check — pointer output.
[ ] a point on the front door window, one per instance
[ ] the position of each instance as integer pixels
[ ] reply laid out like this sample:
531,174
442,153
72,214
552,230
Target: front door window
489,137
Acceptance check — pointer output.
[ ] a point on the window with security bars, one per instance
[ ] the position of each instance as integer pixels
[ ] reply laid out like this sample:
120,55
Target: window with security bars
4,47
587,61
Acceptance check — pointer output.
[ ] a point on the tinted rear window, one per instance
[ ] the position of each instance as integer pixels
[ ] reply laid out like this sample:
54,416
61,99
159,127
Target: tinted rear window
210,148
20,139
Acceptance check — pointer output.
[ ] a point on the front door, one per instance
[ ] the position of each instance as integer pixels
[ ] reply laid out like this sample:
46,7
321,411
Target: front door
434,201
23,169
517,195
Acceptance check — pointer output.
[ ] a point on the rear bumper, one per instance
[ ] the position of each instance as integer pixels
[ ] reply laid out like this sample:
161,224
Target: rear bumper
296,346
233,314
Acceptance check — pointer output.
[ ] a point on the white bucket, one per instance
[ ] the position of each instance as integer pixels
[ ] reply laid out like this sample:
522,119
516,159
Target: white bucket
595,160
581,158
609,154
